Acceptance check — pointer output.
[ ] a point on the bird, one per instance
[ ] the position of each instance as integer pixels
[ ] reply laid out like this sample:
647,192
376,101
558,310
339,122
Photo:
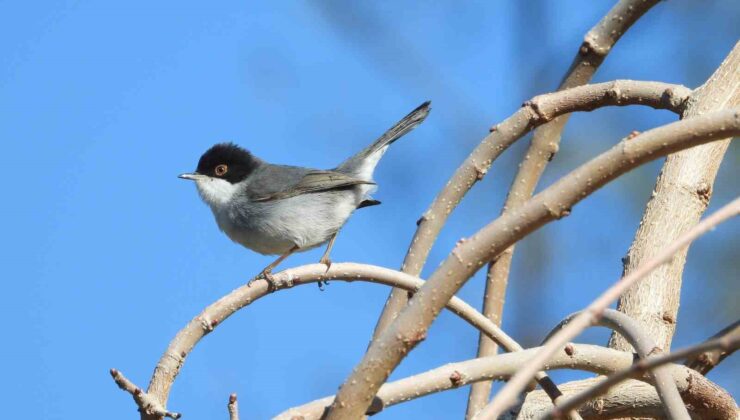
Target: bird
280,209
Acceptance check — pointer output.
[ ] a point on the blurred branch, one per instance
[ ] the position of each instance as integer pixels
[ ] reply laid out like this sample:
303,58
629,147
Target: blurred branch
584,357
706,361
726,343
645,346
637,399
540,110
148,405
681,196
596,45
507,396
174,357
555,202
233,407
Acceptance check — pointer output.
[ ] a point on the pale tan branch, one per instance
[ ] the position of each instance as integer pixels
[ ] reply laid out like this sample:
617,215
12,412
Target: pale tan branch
172,360
584,357
681,196
728,343
233,407
540,110
410,327
645,346
507,396
704,362
544,145
637,399
148,405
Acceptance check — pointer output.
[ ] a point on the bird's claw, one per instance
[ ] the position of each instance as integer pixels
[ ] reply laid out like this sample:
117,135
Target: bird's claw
268,277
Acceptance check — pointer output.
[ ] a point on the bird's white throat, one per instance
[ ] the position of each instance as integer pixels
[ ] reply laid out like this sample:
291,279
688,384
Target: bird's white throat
216,192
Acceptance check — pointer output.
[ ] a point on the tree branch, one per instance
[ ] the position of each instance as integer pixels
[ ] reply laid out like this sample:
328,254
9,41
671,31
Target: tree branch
545,142
728,343
233,407
540,110
507,396
645,346
409,328
706,361
681,196
174,357
148,405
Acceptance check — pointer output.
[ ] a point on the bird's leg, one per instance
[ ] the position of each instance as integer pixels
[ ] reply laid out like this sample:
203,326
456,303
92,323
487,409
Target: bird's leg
325,258
266,273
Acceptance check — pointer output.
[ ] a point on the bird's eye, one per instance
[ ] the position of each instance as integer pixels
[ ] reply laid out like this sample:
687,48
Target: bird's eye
221,170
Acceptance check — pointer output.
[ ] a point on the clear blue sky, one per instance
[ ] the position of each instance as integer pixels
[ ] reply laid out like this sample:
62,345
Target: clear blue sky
106,254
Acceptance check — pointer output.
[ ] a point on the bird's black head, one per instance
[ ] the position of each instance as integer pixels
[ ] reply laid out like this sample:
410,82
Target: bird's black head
227,161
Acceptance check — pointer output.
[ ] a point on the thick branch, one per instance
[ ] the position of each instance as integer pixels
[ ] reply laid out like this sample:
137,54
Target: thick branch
727,343
681,196
538,111
233,407
172,360
645,346
584,357
507,396
387,351
545,143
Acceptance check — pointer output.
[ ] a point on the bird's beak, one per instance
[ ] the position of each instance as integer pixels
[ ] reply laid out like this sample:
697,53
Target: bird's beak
192,176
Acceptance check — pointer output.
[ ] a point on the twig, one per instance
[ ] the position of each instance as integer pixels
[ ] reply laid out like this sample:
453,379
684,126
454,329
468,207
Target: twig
545,143
706,361
172,360
729,343
645,346
233,407
540,110
586,357
148,405
409,328
508,394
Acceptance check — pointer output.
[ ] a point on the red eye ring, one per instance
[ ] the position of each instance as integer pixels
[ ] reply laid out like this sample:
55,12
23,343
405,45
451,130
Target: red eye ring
221,170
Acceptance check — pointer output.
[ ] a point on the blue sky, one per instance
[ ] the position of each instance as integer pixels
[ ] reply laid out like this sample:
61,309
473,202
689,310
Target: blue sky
107,254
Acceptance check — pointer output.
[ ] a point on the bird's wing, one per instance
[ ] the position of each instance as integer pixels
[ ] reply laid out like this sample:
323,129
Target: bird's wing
315,181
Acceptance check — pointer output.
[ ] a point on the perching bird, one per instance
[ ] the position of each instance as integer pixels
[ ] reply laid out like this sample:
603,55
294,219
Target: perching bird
279,209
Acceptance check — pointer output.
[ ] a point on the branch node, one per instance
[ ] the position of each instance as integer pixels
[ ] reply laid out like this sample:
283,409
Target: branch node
456,379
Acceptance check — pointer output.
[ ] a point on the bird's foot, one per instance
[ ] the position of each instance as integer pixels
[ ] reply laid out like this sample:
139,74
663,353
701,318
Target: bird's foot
268,277
327,262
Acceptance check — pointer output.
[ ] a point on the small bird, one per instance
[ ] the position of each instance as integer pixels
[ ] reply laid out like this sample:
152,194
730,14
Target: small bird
280,209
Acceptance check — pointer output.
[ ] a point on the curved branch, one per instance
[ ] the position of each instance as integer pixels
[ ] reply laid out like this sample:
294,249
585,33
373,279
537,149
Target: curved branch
409,328
645,346
584,357
540,110
508,394
172,360
729,342
545,143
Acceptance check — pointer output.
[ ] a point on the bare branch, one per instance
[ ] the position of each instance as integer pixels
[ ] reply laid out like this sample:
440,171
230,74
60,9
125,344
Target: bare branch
409,328
233,407
148,405
545,143
507,396
540,110
729,343
584,357
645,346
681,196
172,360
706,361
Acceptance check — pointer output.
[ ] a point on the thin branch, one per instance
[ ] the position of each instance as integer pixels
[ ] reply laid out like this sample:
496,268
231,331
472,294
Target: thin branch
410,327
540,110
148,405
681,195
728,343
174,357
706,361
645,346
544,145
586,357
233,407
507,396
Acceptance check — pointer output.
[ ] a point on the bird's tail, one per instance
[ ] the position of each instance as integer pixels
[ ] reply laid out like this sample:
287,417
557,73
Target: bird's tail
363,163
